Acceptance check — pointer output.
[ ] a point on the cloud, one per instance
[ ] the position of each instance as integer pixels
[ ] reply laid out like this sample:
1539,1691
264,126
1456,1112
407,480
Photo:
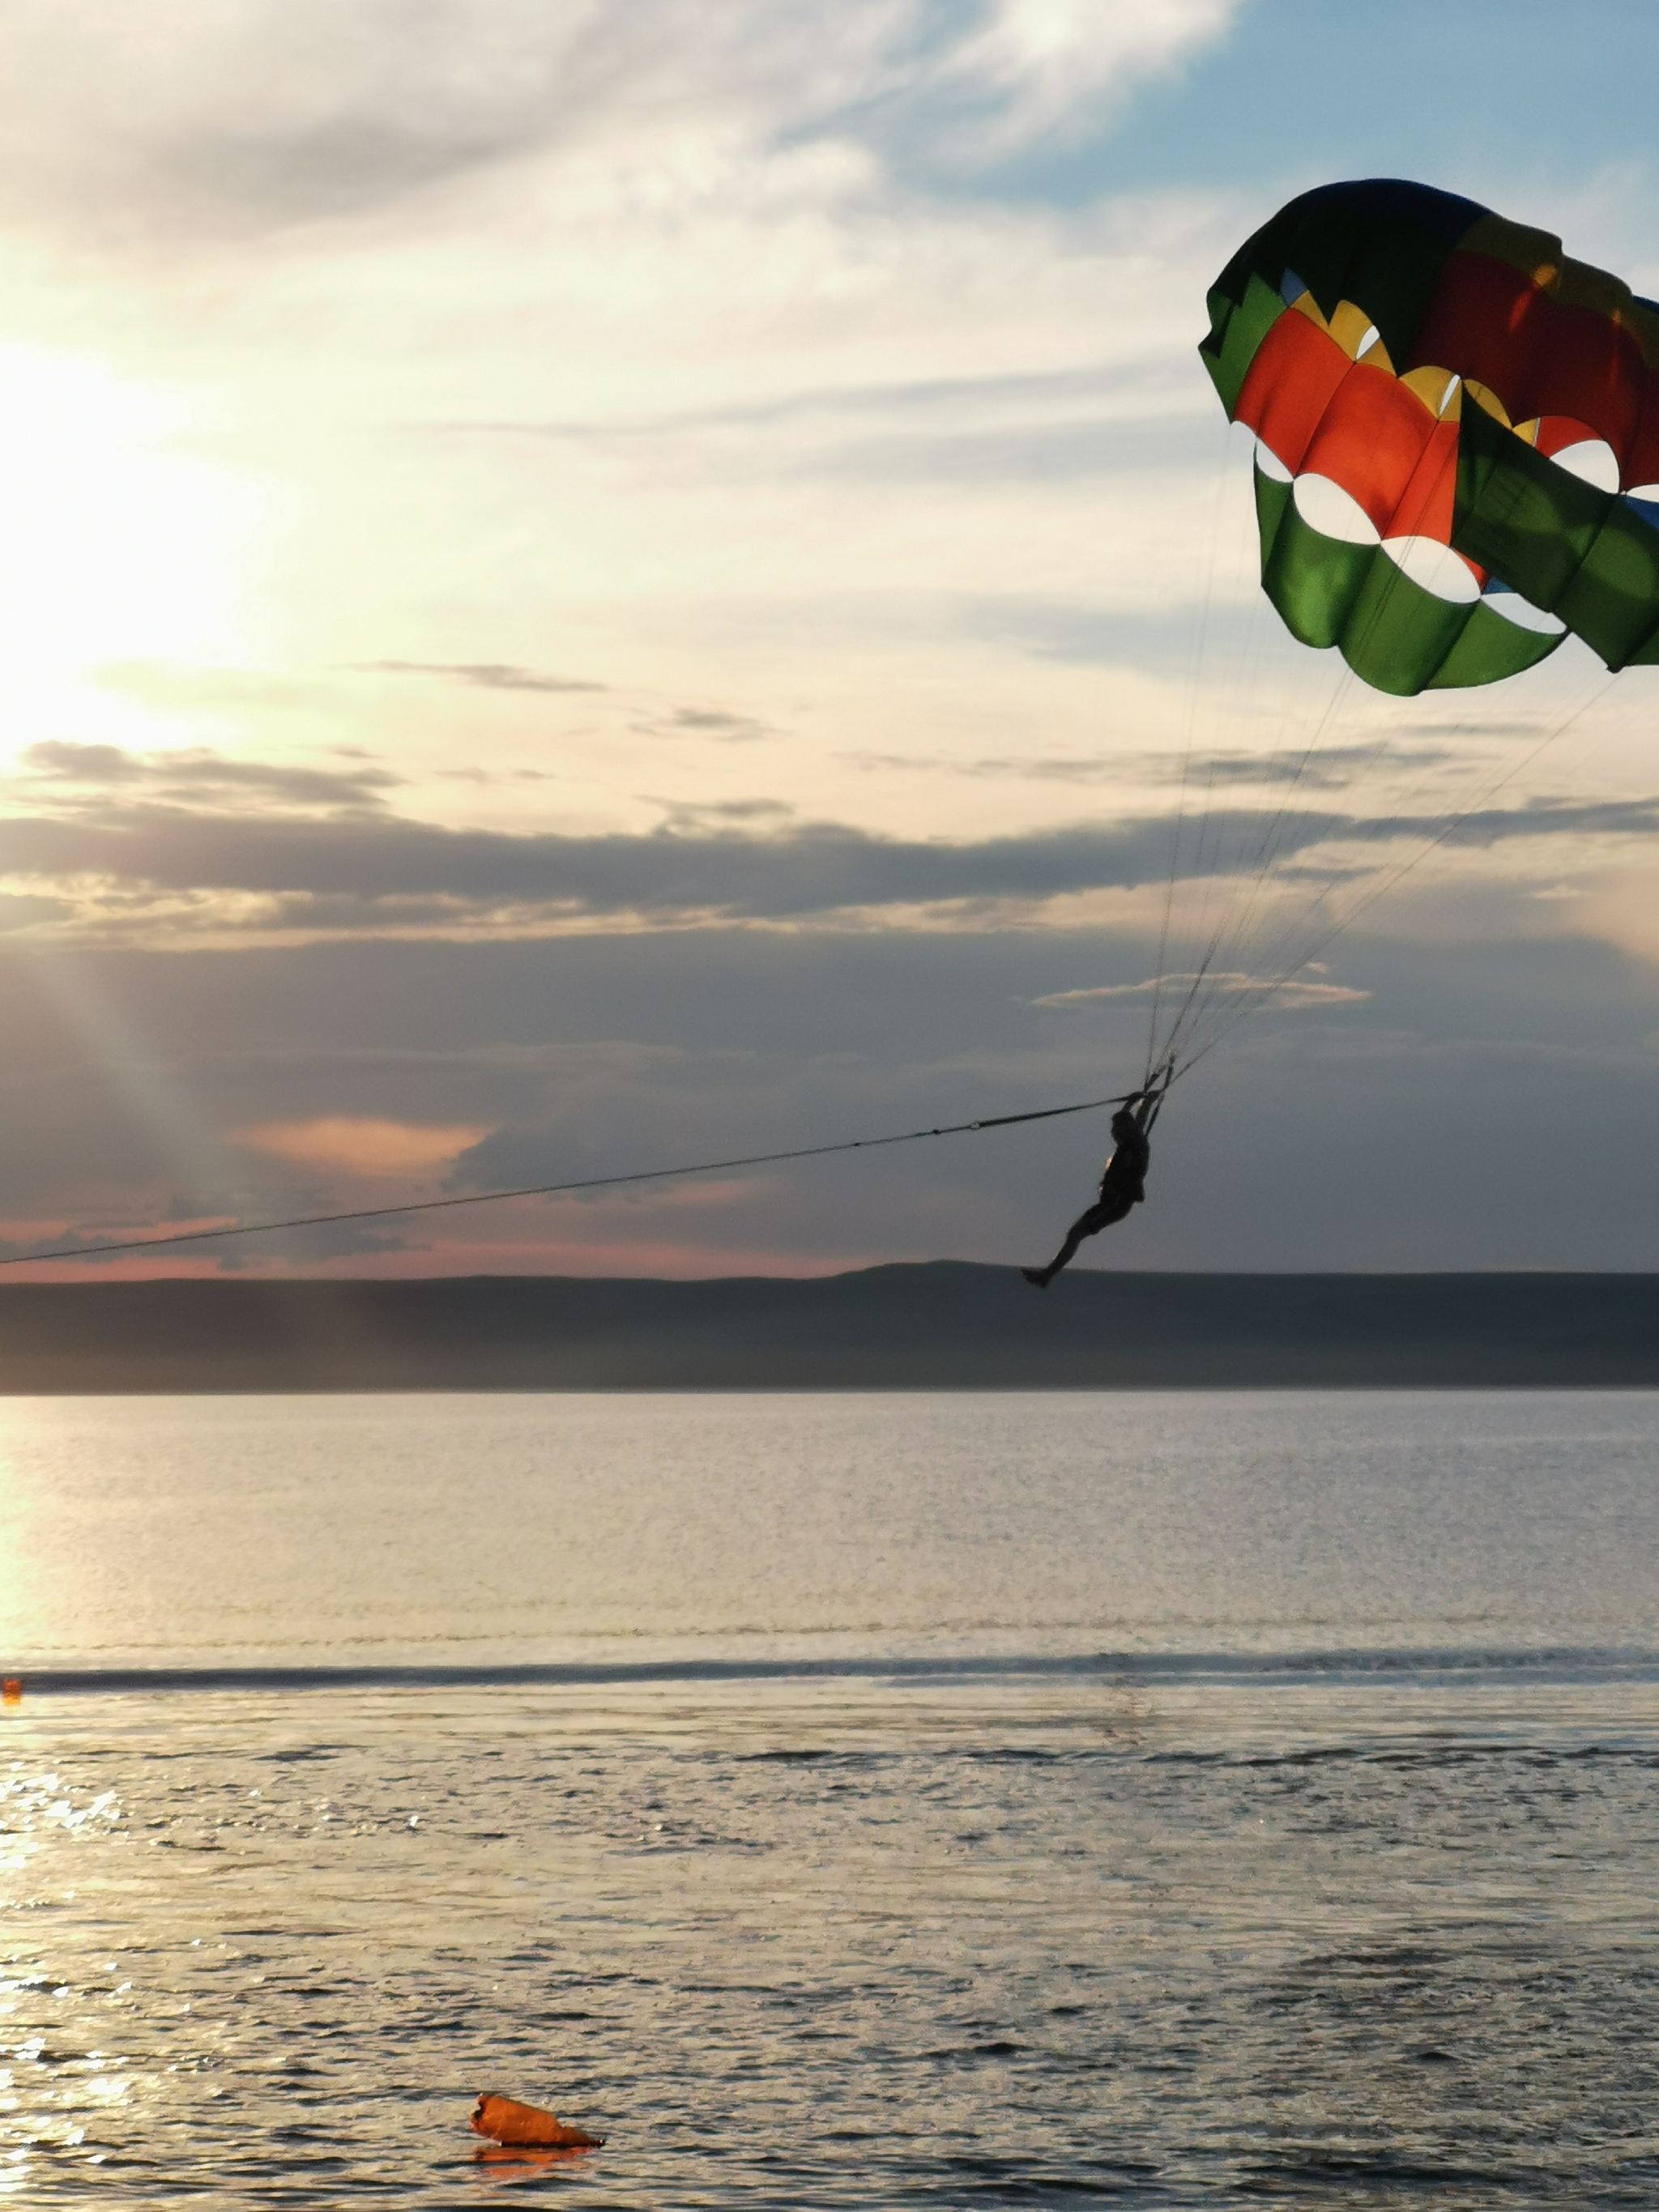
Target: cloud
713,722
482,675
689,817
1331,767
1495,726
487,779
1284,993
188,777
361,1145
352,869
215,118
1034,67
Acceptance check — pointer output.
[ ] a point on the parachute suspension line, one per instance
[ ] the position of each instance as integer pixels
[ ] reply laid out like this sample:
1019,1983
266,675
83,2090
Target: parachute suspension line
1240,911
1207,870
1380,889
1199,818
1252,991
1169,1056
1283,964
556,1189
1484,798
1200,657
1277,959
1169,895
1317,830
1237,906
1208,938
1256,869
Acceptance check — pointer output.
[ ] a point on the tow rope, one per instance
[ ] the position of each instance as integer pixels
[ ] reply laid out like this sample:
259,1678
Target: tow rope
556,1189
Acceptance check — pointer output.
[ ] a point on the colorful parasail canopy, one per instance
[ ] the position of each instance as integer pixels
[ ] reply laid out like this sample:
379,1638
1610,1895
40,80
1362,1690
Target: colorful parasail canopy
1457,457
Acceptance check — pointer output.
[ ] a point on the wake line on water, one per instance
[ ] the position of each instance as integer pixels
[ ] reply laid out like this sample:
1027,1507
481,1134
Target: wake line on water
1404,1665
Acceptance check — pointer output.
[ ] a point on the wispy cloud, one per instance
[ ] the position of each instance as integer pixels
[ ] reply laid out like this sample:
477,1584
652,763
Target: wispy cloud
481,675
1298,990
197,777
692,818
719,723
714,722
1327,768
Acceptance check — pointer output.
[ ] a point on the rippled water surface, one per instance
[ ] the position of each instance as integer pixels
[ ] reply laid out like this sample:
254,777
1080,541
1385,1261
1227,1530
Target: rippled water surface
832,1801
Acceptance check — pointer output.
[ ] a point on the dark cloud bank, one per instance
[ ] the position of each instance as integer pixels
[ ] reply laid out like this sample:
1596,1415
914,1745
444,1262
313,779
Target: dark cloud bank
355,864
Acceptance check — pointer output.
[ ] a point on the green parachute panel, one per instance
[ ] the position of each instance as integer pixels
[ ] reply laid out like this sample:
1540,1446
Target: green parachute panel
1582,553
1396,636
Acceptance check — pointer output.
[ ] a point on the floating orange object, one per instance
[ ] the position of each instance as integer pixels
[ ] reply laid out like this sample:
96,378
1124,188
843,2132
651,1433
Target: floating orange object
505,2121
11,1690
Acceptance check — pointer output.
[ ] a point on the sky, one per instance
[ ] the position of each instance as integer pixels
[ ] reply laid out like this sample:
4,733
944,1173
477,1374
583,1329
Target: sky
584,587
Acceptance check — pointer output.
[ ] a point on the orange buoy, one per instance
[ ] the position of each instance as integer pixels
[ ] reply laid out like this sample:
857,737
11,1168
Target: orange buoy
505,2121
11,1691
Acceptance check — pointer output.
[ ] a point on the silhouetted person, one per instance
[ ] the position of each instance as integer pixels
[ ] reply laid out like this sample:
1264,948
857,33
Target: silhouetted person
1123,1186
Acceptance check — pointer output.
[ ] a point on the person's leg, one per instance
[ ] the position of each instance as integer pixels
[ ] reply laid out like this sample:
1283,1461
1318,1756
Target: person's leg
1074,1236
1086,1225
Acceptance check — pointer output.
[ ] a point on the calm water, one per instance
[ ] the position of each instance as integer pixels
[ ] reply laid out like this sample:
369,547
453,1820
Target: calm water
835,1801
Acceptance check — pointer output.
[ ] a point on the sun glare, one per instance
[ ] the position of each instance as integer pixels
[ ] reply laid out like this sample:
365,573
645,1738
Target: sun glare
119,545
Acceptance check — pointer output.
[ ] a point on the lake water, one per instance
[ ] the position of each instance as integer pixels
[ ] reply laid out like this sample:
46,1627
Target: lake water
832,1800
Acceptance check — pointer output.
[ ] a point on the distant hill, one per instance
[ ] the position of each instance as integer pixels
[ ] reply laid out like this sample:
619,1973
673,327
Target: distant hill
945,1325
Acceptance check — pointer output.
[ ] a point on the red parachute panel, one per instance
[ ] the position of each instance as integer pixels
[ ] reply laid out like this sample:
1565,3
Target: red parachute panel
1292,381
1491,321
1381,444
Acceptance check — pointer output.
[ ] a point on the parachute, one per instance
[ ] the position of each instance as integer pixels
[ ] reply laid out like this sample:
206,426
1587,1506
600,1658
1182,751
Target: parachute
1428,362
1456,469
